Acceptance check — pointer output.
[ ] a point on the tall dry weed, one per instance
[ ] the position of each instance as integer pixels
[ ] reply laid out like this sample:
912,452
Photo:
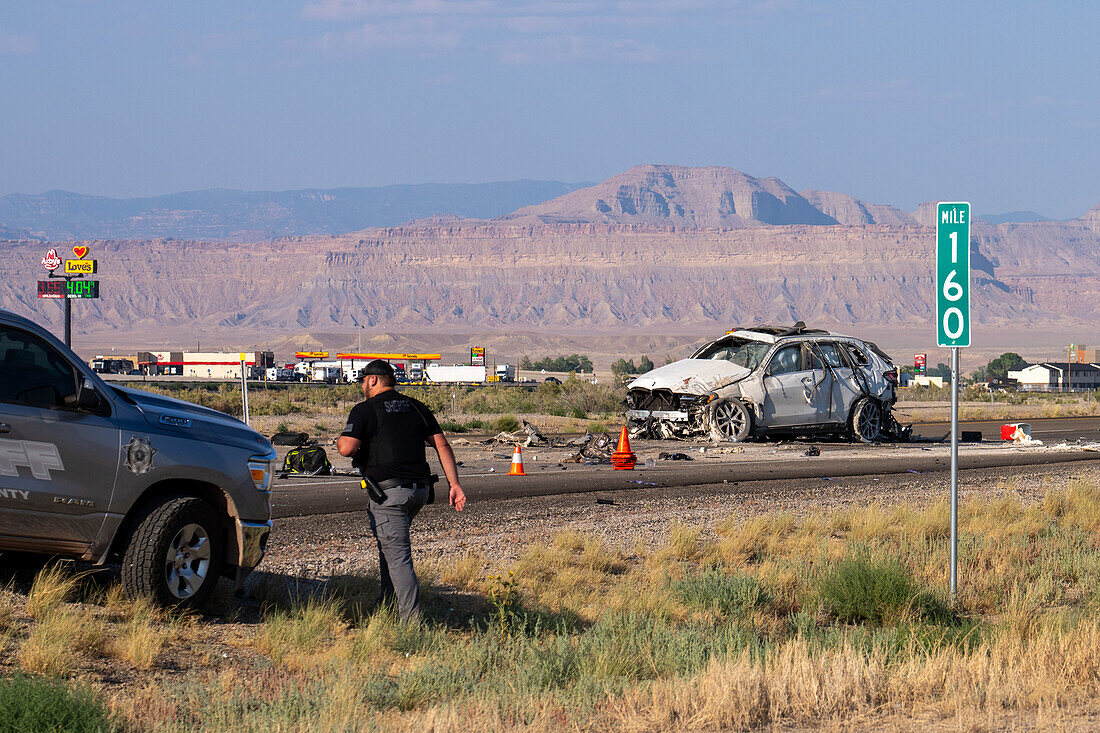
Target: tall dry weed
52,586
59,639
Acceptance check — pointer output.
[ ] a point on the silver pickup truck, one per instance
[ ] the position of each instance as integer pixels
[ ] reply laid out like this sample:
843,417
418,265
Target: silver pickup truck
177,494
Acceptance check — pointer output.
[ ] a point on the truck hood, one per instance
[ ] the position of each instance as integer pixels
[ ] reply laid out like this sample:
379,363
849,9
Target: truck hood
691,376
169,415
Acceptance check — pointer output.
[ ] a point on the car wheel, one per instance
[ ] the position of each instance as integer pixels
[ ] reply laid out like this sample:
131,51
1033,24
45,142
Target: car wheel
175,553
867,421
732,420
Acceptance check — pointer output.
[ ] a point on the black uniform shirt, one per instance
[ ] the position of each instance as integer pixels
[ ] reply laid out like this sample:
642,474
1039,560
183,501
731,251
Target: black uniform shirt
393,429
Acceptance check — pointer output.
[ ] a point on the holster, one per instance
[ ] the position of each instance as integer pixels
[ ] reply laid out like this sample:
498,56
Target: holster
376,494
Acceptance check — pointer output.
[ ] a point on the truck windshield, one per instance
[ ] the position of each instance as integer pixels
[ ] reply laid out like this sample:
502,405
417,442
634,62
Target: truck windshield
748,354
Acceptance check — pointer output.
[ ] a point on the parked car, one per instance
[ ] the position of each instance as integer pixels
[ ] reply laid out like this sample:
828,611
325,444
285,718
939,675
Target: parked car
767,379
177,494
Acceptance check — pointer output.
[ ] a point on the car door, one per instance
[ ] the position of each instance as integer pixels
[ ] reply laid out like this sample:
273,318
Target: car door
842,387
796,391
850,383
57,462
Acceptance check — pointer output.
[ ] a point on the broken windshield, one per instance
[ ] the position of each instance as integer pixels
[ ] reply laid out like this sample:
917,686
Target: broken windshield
743,353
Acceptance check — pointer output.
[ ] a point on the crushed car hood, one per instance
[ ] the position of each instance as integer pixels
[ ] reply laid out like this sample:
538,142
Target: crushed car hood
691,376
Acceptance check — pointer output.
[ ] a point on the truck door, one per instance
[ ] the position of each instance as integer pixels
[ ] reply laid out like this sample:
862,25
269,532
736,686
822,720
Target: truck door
57,462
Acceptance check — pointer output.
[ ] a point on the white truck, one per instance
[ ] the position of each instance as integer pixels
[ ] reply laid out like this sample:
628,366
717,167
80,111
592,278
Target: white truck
327,374
280,374
455,374
506,372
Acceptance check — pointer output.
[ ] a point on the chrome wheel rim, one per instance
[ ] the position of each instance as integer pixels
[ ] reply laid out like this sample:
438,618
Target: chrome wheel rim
187,562
870,422
731,419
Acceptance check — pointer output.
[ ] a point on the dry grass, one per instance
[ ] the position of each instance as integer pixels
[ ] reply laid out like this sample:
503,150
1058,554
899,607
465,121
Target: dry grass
467,571
142,636
297,635
796,684
835,619
60,639
52,587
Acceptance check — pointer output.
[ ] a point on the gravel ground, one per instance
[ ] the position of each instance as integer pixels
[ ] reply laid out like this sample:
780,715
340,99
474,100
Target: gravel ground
340,544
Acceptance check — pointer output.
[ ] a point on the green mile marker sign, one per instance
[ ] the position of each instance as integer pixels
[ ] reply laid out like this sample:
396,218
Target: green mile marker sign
953,274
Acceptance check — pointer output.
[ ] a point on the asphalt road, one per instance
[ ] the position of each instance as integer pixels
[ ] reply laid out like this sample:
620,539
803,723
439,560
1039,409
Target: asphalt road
328,495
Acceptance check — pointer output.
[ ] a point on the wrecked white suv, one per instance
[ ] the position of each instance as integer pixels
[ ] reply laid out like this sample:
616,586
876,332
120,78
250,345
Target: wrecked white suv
767,379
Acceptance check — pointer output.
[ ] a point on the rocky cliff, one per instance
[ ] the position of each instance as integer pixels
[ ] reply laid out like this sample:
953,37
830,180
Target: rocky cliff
662,262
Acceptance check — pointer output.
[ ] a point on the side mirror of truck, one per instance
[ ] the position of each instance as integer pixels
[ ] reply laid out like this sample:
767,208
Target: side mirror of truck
88,398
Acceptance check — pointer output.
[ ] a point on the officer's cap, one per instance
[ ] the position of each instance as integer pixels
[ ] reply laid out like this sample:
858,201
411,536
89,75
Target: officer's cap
378,367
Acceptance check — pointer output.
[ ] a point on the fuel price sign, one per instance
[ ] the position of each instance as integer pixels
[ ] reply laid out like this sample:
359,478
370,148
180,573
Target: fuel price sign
60,289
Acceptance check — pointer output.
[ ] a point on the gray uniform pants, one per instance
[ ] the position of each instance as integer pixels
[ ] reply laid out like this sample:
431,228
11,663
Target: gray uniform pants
390,524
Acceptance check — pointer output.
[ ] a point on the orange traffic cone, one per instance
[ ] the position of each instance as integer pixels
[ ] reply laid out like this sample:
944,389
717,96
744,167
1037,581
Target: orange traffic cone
517,463
623,458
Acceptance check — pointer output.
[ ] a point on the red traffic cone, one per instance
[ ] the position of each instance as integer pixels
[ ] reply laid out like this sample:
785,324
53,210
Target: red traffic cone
623,458
517,463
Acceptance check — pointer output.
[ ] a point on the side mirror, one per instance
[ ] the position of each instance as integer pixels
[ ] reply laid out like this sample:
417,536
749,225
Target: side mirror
88,399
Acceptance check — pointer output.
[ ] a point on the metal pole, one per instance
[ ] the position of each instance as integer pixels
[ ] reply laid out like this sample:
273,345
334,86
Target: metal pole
954,470
68,316
244,393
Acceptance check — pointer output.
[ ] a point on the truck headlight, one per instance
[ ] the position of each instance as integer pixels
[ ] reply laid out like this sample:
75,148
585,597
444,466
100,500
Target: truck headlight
260,471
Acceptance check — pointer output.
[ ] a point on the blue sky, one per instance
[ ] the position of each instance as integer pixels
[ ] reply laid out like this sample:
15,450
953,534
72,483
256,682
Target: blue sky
893,102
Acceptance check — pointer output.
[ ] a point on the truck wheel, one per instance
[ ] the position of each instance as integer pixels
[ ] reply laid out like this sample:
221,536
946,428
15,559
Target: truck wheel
867,421
175,553
732,420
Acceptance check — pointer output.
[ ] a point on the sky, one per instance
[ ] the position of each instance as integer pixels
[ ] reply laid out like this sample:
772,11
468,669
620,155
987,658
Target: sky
997,103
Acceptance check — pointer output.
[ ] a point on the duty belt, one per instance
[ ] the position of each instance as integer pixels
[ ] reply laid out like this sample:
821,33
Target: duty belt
392,483
376,491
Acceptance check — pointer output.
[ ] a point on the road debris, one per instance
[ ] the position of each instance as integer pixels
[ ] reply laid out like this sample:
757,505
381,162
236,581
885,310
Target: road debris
675,457
598,449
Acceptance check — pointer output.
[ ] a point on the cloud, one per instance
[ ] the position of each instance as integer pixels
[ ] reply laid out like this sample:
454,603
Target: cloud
17,45
895,93
424,34
564,49
1044,102
344,10
527,31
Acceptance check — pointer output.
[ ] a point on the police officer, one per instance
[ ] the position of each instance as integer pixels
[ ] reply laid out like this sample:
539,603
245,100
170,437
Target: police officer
385,437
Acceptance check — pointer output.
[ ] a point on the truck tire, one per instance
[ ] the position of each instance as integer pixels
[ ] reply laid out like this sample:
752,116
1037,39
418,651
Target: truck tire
175,553
867,421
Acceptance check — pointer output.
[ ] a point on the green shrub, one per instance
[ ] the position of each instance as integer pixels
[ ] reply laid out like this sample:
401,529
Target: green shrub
40,704
729,594
505,424
450,426
861,590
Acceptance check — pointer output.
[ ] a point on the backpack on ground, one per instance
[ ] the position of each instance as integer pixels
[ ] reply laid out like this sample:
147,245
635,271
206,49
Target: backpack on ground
309,460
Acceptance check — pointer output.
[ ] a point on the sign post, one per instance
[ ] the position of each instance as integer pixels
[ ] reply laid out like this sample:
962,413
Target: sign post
244,387
70,285
953,330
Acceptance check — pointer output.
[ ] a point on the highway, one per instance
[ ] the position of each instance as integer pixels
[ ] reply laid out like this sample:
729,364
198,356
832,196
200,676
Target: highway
327,495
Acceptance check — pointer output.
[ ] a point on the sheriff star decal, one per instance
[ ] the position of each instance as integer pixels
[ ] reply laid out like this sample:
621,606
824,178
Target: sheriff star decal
139,455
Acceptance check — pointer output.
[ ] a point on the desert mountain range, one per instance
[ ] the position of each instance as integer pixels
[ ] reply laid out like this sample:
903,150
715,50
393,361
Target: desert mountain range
658,254
219,214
